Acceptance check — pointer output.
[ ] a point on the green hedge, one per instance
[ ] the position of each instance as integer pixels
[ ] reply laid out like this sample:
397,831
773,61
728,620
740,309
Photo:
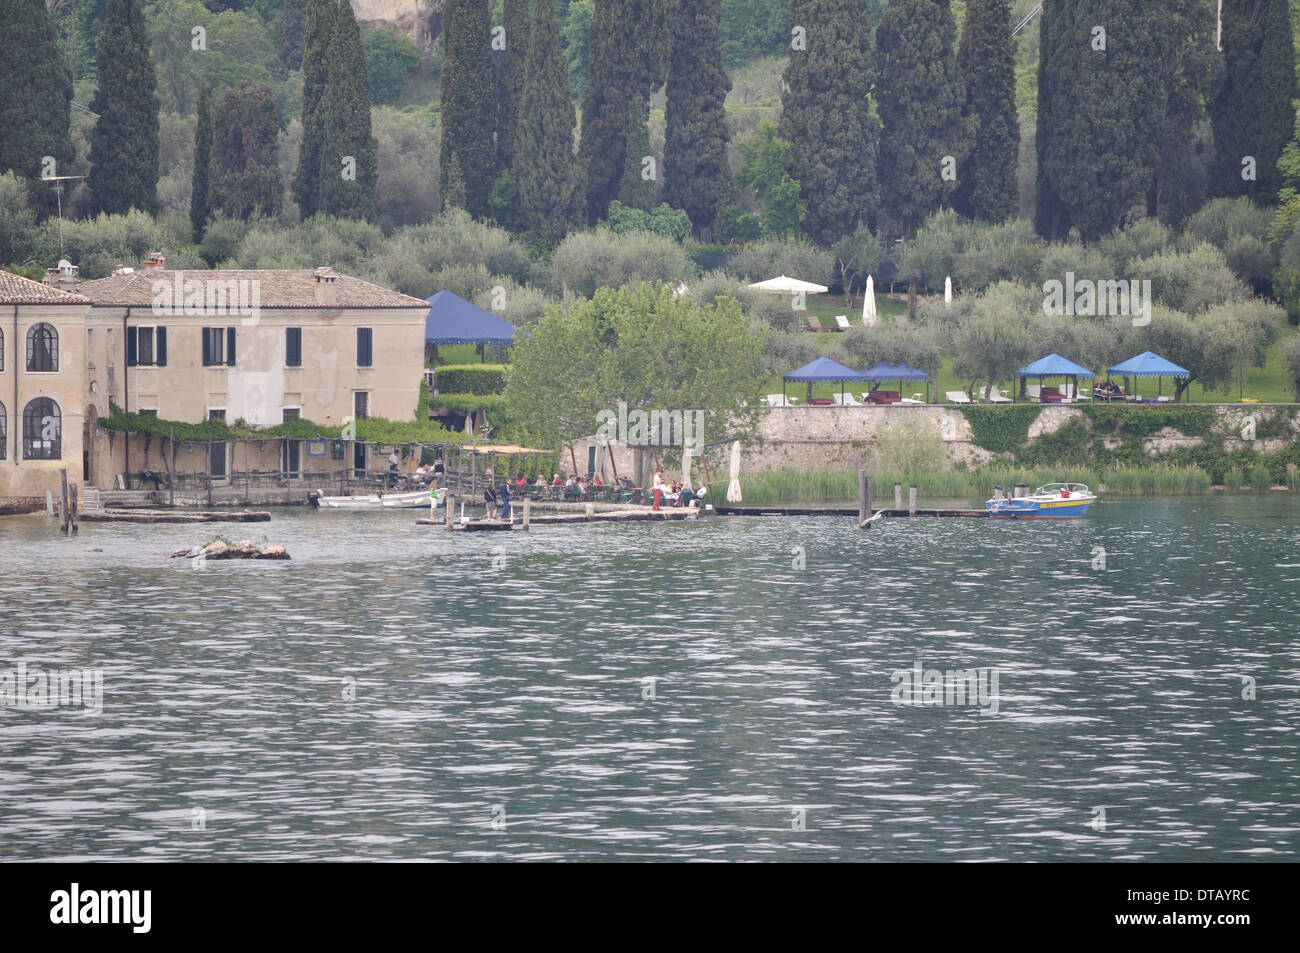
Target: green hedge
371,429
471,379
467,402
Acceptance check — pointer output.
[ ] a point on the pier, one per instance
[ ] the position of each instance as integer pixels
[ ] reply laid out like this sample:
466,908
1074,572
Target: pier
166,516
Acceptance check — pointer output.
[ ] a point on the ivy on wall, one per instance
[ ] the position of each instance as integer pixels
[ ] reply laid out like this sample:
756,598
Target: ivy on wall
1001,429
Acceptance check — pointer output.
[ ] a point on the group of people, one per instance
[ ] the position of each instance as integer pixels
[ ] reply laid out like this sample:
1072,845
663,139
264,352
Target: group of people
676,493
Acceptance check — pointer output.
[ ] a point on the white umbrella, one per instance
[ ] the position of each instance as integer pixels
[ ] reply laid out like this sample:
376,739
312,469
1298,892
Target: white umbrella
783,284
733,488
686,467
869,317
947,291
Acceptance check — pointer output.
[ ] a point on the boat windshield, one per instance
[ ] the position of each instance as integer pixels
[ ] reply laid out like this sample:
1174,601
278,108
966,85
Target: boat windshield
1056,489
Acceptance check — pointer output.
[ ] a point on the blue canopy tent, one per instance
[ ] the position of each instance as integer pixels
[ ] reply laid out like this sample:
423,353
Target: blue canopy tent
1054,366
885,371
822,369
453,320
1148,364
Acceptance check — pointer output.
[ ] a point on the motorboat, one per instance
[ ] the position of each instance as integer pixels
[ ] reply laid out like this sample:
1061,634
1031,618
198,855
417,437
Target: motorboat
1051,501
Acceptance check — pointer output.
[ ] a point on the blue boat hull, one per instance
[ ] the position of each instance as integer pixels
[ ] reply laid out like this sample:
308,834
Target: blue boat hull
1023,509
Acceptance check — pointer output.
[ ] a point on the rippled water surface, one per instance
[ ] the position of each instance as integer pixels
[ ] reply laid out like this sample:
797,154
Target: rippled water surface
503,708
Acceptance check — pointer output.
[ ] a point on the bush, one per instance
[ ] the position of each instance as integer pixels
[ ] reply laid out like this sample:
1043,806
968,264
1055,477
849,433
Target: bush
1190,281
910,446
770,257
521,305
407,151
464,280
471,379
665,221
585,261
390,59
101,244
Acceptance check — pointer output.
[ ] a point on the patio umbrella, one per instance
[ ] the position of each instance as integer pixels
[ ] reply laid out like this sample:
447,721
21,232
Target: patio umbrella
947,291
869,317
733,488
784,284
686,467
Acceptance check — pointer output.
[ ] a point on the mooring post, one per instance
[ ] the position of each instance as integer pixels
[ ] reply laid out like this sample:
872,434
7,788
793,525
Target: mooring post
63,510
864,507
171,477
911,500
72,509
898,496
528,505
591,511
451,504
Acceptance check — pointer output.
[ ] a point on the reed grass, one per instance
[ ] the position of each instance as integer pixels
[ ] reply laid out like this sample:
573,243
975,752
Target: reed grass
775,487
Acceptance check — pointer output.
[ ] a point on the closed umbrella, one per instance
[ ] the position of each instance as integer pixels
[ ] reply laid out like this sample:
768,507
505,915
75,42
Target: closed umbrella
947,291
733,488
869,318
686,467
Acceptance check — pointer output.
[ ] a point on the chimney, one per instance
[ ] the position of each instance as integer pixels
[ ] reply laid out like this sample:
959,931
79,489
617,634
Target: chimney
327,287
64,277
155,263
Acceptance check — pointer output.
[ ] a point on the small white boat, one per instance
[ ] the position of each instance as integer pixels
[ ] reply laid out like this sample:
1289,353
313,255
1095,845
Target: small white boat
409,499
1053,501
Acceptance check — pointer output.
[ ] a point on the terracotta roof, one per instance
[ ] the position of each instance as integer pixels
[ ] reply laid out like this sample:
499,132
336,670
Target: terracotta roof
15,289
276,289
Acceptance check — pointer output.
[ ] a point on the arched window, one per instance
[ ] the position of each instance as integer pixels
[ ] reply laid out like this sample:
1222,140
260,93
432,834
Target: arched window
42,430
4,427
42,348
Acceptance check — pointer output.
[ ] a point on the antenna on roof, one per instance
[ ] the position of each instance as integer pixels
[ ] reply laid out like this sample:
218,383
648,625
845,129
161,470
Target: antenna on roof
58,181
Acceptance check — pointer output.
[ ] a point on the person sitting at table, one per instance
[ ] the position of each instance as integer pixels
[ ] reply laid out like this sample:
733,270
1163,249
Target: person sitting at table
541,482
700,492
581,487
556,481
437,467
148,476
597,482
688,495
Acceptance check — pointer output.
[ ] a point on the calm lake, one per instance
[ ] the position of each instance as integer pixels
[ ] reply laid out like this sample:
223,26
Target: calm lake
673,691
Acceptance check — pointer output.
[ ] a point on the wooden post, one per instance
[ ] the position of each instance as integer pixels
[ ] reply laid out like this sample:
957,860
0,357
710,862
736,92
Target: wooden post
591,510
207,469
911,500
450,502
247,449
864,498
898,496
171,486
528,502
72,509
63,510
473,476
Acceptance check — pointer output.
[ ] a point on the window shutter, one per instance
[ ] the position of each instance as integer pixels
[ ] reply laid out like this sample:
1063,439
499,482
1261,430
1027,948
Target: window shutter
293,347
364,348
207,347
230,346
160,347
131,344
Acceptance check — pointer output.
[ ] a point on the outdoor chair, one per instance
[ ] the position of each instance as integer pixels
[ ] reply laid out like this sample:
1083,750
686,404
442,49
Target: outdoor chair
843,321
957,397
1034,391
846,400
815,325
995,396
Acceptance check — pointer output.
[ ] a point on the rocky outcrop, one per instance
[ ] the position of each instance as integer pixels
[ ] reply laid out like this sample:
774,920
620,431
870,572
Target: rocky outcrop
223,550
421,20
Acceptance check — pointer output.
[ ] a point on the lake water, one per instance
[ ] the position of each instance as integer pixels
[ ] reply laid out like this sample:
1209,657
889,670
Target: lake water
503,707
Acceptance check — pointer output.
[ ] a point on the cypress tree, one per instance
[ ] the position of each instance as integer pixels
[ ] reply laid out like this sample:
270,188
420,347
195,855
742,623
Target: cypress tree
1099,105
549,193
635,189
242,137
514,19
920,99
291,32
348,165
202,156
696,177
1189,66
826,111
986,182
1252,112
468,101
318,27
34,97
627,47
124,143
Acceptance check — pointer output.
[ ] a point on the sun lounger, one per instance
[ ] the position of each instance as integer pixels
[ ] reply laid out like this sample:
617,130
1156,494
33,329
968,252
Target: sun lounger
995,396
815,325
957,397
843,321
846,400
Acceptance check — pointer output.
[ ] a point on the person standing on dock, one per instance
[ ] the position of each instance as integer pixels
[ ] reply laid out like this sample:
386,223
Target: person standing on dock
490,500
436,496
658,489
505,500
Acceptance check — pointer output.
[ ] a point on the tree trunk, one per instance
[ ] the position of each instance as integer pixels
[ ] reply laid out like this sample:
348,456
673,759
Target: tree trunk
911,299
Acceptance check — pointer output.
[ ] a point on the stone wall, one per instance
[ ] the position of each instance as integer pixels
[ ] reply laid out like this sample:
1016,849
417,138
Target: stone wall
421,20
846,438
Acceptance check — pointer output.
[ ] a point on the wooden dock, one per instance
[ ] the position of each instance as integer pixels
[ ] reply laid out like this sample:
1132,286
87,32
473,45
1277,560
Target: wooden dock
842,511
643,514
169,516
